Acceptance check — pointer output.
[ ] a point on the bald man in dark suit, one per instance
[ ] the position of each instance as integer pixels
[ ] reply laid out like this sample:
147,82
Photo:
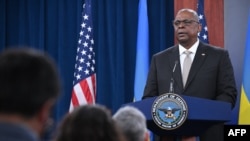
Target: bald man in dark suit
211,75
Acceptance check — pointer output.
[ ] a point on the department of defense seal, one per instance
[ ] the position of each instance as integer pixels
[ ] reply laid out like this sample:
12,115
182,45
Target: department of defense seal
169,111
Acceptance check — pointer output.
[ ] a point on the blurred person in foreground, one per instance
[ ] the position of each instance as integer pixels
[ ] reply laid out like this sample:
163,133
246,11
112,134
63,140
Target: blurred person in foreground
132,123
30,86
88,123
211,75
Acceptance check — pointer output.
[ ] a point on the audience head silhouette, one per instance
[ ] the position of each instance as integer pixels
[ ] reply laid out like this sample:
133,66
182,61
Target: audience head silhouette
30,86
89,123
132,123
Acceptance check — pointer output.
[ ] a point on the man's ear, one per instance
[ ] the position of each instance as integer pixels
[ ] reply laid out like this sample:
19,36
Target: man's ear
45,111
199,28
147,138
44,119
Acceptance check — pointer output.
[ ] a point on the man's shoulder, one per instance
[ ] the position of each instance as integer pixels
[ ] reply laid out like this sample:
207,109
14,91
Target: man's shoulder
211,47
167,51
15,132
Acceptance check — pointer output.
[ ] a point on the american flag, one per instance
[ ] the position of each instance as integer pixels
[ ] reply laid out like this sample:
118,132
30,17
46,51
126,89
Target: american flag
203,35
84,83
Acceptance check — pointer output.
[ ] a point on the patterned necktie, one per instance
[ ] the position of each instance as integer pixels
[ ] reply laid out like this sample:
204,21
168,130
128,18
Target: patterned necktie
186,67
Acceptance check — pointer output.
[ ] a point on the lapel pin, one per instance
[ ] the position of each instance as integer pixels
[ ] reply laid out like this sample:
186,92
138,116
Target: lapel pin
203,54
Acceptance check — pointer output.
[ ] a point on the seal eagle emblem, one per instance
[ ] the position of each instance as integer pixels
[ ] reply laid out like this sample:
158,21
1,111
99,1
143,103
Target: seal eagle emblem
169,111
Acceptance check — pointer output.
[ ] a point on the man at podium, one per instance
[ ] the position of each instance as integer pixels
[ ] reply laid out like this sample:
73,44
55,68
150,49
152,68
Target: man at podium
193,68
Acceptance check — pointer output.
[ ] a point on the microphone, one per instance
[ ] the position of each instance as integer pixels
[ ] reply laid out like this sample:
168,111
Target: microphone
171,87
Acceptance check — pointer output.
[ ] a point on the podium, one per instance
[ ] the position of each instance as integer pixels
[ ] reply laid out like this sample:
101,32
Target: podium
202,113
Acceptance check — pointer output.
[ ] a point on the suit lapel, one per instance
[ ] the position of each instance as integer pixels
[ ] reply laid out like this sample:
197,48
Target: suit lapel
199,59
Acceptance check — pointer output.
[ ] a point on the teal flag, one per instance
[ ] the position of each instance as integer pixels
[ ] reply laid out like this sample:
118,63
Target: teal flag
142,62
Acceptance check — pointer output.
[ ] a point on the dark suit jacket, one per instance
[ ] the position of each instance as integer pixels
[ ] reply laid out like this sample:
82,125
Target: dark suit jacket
16,132
211,76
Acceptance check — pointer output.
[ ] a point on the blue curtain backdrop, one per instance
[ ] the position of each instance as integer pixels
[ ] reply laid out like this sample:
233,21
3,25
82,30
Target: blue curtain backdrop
53,26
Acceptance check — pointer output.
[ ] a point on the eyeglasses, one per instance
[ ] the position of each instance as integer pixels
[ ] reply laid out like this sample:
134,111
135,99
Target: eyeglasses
185,22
